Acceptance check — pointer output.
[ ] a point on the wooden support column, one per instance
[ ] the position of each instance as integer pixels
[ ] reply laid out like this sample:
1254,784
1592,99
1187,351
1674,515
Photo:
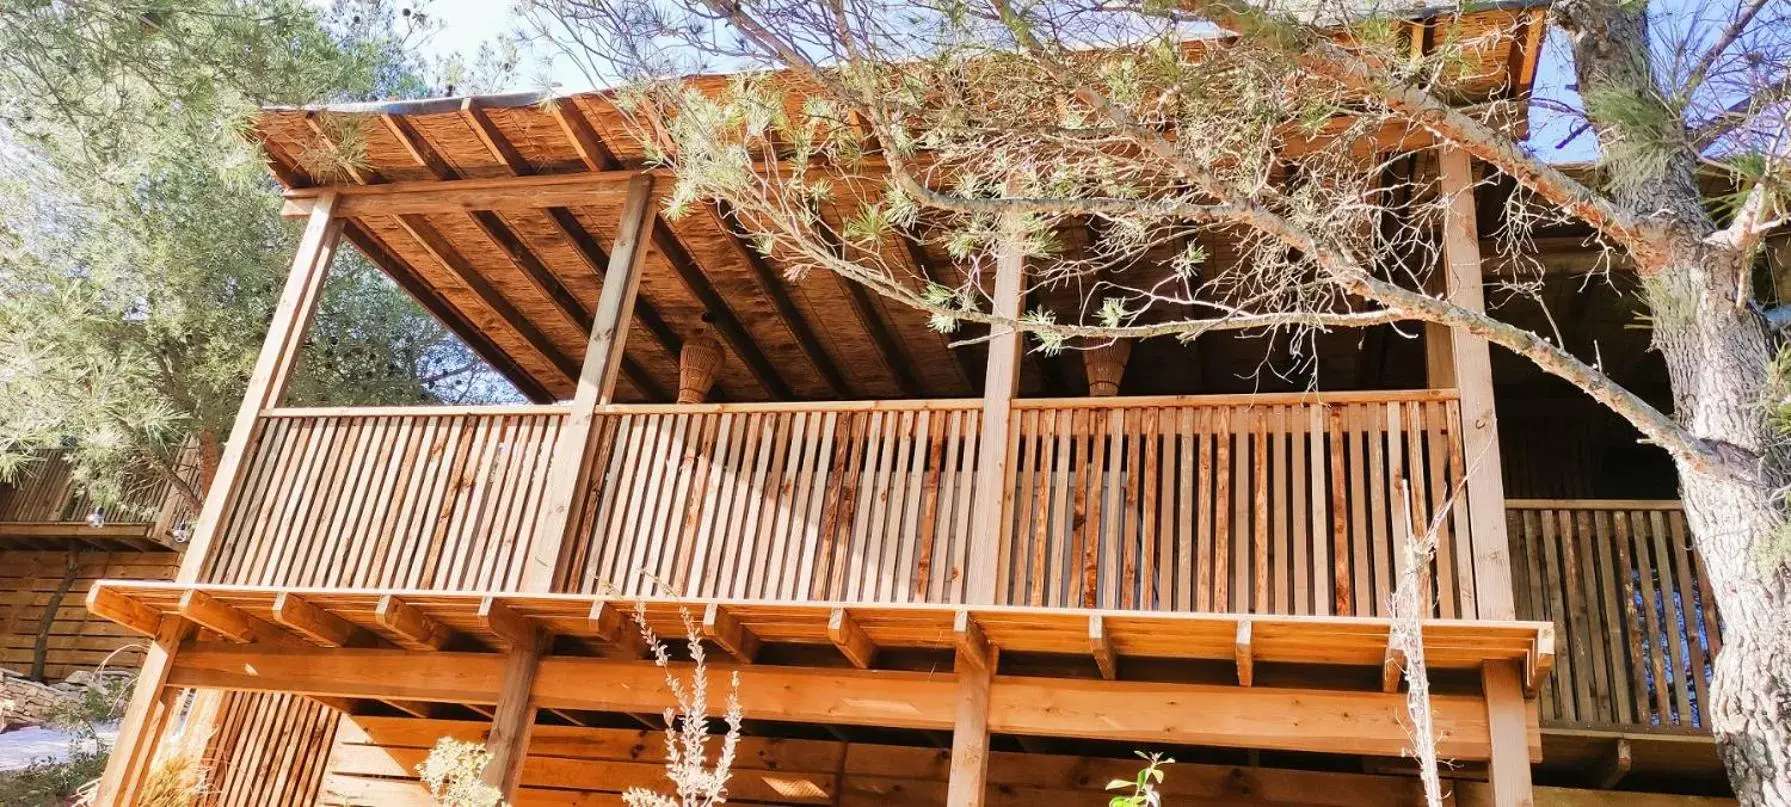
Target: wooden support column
1508,770
596,384
975,665
147,713
1460,360
514,718
1001,380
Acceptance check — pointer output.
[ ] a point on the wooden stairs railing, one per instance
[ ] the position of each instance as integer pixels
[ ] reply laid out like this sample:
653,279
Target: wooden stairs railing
1634,615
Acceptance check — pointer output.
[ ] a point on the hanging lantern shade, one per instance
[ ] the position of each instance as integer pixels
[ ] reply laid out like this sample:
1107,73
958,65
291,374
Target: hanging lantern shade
698,363
1105,365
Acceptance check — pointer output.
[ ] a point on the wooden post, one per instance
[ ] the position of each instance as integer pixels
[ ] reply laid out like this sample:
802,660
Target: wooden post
514,719
1508,771
567,474
1001,379
970,730
146,714
1470,373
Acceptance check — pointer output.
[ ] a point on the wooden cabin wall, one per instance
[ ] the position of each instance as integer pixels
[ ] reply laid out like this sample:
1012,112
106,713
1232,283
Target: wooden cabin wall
268,749
41,612
375,763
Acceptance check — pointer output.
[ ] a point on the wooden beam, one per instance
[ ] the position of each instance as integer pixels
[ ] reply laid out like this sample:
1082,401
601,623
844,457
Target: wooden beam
408,626
1492,592
1614,766
773,286
591,150
1244,649
972,645
207,612
314,623
995,451
272,373
970,720
446,313
567,473
1102,648
851,639
1541,660
430,197
513,629
1508,765
726,322
1392,667
617,630
720,626
444,254
1328,721
865,309
110,604
513,719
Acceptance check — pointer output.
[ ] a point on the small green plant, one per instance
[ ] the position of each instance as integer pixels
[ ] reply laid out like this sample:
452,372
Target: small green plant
1143,787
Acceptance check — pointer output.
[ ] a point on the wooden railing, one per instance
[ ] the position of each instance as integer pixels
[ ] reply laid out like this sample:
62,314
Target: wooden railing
1217,503
1249,504
406,497
1636,623
846,501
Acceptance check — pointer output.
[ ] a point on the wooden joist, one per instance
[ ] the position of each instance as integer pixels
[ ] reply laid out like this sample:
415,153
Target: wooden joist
205,611
516,630
313,623
971,642
1102,648
1244,650
408,626
851,639
110,604
720,626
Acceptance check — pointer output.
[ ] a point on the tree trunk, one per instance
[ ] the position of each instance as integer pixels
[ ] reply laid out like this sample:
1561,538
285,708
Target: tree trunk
1718,359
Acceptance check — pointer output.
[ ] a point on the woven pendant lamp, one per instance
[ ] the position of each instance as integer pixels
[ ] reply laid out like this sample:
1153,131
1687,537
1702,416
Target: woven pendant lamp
1105,365
698,363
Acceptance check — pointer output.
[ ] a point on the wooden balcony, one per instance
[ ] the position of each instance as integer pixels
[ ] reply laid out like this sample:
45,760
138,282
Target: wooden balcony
1274,504
1632,609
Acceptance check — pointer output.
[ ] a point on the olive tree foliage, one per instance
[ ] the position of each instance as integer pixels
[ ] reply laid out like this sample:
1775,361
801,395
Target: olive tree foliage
1113,142
141,247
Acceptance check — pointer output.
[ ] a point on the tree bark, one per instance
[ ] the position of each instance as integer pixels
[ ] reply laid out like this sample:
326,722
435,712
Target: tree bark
1718,358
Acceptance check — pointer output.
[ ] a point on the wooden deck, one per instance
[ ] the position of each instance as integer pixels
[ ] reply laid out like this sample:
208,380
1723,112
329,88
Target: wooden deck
450,647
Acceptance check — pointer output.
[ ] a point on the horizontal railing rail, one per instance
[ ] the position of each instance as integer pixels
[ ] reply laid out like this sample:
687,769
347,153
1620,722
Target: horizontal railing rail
1633,611
425,497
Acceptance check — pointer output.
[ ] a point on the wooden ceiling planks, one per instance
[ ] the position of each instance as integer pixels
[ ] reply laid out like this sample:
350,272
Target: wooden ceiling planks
526,278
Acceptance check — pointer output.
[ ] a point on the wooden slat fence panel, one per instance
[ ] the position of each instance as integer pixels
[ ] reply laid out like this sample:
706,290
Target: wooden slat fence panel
268,749
861,502
1273,504
1637,628
403,497
47,491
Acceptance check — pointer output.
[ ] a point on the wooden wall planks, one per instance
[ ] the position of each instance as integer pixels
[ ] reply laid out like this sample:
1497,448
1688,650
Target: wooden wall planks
1634,614
268,750
35,582
410,500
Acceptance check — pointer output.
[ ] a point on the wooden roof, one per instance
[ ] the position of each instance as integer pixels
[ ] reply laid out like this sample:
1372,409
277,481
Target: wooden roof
519,282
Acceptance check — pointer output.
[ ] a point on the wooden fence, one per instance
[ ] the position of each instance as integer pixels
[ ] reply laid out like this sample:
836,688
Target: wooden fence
857,501
406,497
1636,623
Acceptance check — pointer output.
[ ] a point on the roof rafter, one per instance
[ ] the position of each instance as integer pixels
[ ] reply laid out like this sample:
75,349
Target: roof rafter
518,250
768,279
866,310
726,323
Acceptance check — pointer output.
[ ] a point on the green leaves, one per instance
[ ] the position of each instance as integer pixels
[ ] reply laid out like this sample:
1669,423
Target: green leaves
1143,787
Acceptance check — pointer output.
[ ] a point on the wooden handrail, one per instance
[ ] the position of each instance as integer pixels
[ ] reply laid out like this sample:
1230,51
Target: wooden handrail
423,410
1241,399
918,405
1594,504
